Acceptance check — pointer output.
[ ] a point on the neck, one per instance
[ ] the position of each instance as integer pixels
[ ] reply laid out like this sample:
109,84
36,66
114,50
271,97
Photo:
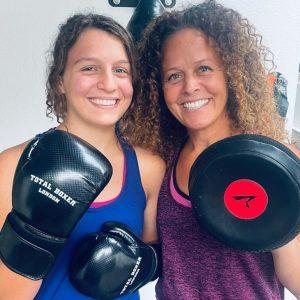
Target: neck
102,138
201,139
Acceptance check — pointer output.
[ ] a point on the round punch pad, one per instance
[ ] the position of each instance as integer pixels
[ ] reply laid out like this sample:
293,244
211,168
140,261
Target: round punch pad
245,191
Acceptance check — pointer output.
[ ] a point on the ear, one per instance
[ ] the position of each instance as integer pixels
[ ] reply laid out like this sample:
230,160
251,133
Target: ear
61,86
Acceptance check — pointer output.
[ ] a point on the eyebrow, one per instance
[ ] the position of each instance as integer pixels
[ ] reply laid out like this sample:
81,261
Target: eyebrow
94,59
204,60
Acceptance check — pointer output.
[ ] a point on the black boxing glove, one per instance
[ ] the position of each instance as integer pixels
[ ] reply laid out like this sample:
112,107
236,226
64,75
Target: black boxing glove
57,178
113,263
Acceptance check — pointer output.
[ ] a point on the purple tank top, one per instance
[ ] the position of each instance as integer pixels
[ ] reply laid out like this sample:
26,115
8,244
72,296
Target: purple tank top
196,266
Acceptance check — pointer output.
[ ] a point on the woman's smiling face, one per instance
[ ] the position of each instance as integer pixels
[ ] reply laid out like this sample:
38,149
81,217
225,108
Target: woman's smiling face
97,79
194,83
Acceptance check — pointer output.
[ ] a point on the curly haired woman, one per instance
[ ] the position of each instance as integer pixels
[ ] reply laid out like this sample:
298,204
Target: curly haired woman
204,78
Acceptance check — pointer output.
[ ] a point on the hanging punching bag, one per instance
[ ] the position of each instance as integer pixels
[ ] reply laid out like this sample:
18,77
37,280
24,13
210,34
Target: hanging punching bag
144,13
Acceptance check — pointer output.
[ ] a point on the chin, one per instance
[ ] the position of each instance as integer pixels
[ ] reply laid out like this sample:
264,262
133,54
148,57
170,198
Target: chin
100,123
197,126
104,120
105,124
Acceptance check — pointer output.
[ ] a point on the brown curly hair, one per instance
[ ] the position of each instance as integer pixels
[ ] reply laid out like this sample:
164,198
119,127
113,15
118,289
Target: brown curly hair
251,106
69,33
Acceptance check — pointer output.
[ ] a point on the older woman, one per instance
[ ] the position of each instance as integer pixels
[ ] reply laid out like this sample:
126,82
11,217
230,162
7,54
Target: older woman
204,79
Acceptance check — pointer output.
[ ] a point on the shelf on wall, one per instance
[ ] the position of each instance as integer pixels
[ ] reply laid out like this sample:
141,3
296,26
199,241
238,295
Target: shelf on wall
296,137
296,129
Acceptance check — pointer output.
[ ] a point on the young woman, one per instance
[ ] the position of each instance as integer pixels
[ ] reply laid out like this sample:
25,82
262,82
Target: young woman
204,79
90,89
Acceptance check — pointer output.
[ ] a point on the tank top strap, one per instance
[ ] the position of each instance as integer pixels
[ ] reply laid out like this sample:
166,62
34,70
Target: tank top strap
133,176
177,195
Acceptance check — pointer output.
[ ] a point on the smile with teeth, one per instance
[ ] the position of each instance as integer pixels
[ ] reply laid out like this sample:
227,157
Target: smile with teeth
195,104
104,102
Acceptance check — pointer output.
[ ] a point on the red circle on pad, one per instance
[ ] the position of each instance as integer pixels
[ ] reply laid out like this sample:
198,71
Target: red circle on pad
245,199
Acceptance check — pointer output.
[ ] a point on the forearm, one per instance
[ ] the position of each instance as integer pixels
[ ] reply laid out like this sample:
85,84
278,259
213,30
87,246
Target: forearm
14,286
287,265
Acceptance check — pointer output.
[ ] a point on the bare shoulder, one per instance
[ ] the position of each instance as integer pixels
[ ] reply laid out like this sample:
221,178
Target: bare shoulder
8,162
10,157
152,168
149,162
293,148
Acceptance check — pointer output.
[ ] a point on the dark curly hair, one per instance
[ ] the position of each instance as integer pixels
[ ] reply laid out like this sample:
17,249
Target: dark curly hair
69,33
246,61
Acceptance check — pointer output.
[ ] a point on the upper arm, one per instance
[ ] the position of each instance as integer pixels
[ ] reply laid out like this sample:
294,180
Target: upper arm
8,162
152,169
12,285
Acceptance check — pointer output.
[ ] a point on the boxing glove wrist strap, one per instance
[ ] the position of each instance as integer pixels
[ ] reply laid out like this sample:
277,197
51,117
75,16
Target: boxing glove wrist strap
26,250
158,268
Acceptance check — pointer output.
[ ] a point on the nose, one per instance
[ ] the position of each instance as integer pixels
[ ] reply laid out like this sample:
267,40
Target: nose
191,84
107,82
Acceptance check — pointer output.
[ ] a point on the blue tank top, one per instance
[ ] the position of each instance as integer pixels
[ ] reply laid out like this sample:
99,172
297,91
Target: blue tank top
128,207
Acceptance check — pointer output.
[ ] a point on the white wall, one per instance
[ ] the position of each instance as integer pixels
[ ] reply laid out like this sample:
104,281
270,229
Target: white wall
28,27
27,30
